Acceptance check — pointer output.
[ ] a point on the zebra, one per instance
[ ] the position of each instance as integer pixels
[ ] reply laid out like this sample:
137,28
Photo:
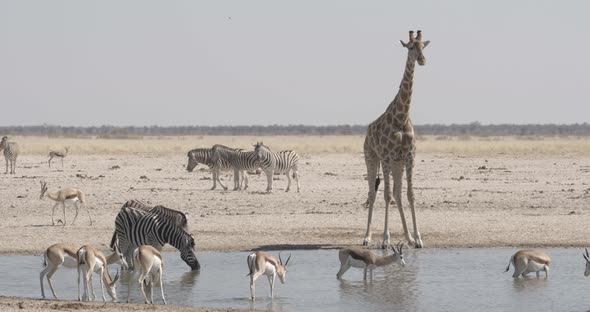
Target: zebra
10,153
224,157
246,161
177,217
198,156
281,162
203,156
136,227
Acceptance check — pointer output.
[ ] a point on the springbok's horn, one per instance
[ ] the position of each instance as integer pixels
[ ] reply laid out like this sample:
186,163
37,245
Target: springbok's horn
280,260
419,36
412,36
288,260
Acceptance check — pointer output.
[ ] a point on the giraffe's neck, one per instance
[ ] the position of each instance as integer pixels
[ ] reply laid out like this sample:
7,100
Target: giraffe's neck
399,109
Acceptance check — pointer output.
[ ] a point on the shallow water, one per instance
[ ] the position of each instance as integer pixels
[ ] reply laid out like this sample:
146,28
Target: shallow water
432,280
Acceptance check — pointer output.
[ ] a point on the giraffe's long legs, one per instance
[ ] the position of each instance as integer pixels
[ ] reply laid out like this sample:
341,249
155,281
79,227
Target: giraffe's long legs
398,171
409,174
372,163
387,196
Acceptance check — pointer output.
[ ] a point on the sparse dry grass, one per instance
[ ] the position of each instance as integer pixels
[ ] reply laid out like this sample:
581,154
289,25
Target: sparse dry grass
303,144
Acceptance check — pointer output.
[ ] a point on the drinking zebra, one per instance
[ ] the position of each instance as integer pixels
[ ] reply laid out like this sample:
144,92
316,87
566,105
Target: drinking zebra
10,154
281,162
203,156
177,217
136,227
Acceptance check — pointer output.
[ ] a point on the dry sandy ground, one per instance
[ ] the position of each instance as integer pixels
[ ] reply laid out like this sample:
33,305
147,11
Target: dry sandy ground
462,201
11,304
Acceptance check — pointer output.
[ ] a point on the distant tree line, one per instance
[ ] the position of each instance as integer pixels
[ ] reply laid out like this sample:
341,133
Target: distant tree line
474,128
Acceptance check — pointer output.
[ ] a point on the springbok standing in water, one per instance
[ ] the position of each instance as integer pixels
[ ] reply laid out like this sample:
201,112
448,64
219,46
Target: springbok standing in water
148,261
358,257
65,255
262,263
91,260
527,261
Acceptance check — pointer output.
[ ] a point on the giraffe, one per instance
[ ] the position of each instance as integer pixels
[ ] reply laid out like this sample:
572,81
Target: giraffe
390,144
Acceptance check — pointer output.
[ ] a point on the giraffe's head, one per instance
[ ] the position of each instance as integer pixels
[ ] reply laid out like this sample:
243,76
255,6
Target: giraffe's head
416,47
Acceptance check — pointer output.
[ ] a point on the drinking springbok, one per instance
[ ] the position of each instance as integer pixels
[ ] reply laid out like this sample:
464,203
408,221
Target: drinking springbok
92,260
65,255
148,260
262,263
358,257
587,257
527,261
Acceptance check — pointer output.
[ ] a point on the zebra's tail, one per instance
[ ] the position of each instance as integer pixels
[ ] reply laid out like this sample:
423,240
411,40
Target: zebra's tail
113,240
251,260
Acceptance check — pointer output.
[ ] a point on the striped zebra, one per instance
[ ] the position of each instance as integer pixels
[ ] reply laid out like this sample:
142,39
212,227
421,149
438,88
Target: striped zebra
136,227
177,217
224,157
277,163
246,161
203,156
198,156
10,154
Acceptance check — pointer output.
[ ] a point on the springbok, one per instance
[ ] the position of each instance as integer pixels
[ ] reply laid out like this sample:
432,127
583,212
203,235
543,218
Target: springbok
148,260
61,155
358,257
262,263
92,260
65,255
70,195
587,257
527,261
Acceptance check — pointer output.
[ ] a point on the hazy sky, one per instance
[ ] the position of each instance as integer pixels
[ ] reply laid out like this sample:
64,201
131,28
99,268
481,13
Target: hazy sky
297,62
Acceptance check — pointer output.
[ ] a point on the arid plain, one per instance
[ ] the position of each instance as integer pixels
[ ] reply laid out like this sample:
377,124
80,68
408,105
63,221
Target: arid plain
470,191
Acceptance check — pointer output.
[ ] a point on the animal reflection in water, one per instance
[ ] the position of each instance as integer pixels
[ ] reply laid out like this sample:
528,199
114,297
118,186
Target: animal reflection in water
528,261
358,257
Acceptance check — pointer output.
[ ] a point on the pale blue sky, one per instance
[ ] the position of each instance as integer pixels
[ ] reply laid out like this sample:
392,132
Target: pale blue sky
299,62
